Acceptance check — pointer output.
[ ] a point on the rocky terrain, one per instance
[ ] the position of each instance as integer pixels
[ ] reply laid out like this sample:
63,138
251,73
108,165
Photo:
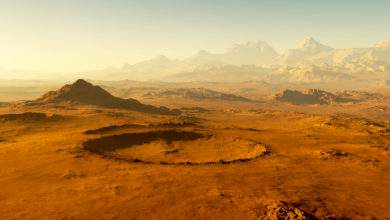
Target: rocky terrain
361,95
196,94
317,96
30,117
79,153
194,110
115,163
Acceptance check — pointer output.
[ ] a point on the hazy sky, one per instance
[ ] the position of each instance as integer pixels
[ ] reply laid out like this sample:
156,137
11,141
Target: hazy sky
79,35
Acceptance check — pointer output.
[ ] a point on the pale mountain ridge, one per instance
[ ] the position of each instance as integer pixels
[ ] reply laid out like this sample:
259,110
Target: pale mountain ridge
302,73
221,73
384,44
310,45
305,52
351,61
307,73
249,53
358,55
158,66
379,53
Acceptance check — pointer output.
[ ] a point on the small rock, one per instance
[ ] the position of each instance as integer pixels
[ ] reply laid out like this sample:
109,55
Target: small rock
70,174
283,210
333,153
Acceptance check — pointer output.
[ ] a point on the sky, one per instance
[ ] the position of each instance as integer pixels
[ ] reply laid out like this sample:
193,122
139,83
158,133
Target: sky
71,36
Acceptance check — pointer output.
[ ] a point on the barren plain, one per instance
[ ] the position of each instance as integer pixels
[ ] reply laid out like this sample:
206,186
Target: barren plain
216,159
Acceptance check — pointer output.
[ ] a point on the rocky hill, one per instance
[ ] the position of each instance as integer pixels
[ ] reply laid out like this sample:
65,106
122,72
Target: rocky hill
83,92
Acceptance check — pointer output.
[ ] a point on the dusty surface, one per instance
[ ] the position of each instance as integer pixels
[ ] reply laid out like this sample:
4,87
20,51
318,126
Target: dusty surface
318,165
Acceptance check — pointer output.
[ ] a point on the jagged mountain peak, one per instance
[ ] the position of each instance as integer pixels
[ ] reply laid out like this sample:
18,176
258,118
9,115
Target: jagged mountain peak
202,53
161,58
250,46
81,83
309,43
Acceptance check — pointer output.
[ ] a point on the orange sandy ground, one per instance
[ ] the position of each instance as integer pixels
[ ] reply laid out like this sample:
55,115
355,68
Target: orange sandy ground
45,174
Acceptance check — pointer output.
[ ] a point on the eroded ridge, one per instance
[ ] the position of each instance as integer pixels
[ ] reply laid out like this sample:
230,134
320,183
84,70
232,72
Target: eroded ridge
113,128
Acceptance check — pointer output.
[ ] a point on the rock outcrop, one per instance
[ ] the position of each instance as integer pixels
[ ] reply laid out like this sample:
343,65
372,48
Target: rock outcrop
311,96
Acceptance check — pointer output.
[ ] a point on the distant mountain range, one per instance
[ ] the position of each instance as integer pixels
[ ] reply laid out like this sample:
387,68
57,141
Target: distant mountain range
309,61
259,53
250,53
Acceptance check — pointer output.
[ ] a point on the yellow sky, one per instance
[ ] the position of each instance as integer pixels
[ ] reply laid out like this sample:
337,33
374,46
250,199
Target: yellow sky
76,36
